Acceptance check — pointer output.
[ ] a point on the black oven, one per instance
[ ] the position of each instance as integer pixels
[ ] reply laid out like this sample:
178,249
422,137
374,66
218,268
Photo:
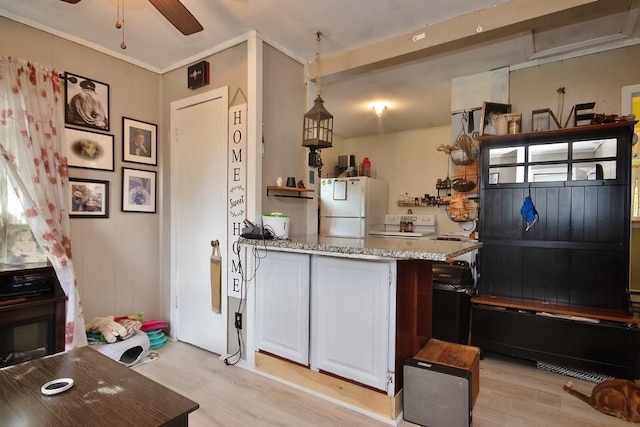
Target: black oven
453,286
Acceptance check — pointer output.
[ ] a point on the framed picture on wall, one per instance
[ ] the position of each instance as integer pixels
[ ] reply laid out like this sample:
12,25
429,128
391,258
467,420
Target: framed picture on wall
491,112
86,102
88,198
140,141
89,150
494,178
138,190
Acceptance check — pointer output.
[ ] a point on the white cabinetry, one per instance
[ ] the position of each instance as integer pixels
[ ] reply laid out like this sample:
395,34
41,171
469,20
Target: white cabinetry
351,321
332,314
282,305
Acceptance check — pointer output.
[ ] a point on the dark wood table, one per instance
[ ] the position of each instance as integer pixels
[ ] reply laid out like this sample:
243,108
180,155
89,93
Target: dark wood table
105,393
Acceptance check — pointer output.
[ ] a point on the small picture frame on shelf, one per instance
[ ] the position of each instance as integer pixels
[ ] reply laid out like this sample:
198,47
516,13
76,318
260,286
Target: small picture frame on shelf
491,112
138,190
494,178
541,120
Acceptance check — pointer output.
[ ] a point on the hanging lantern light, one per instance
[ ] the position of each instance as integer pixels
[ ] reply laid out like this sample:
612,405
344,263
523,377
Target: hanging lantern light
317,131
318,126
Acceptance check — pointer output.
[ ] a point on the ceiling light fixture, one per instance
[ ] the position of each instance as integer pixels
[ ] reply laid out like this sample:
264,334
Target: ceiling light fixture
317,131
379,109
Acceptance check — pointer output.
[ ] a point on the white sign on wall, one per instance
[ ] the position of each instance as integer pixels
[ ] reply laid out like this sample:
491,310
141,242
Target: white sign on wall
237,195
471,91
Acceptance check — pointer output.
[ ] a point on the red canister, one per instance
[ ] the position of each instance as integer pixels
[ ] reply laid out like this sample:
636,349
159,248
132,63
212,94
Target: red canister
366,167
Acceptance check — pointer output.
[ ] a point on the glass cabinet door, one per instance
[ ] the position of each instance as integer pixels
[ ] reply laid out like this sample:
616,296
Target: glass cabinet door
558,161
589,159
506,165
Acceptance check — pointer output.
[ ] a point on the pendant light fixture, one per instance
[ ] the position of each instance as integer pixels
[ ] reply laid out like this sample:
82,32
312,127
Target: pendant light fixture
120,23
317,131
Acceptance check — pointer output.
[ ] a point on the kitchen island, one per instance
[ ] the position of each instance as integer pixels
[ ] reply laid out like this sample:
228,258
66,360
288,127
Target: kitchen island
339,316
385,247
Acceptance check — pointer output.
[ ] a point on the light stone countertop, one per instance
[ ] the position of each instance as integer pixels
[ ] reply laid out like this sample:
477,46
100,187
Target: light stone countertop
376,247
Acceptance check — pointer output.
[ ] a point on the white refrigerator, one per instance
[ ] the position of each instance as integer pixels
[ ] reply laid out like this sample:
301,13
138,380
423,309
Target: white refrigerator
352,207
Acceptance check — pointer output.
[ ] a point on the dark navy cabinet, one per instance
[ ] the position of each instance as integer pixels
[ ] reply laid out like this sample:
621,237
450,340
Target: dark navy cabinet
558,292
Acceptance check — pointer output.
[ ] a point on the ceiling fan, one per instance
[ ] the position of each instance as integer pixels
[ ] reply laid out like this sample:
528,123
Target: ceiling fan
175,12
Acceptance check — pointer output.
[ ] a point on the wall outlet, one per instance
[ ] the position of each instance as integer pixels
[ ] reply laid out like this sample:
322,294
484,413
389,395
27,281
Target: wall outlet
238,321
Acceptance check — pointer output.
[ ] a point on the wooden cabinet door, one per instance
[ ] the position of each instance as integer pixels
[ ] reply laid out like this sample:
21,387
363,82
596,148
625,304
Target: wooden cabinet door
350,318
282,305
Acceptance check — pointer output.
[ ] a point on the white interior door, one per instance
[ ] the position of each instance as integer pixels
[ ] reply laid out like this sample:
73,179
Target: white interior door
199,215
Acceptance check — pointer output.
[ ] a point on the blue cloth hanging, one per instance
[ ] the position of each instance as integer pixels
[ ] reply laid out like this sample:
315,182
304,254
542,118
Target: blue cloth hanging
529,212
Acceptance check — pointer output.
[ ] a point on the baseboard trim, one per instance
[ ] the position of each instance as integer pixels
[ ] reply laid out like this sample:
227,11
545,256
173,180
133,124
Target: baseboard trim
369,402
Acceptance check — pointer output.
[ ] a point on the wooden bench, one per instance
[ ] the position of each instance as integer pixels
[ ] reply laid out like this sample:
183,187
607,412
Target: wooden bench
577,311
601,340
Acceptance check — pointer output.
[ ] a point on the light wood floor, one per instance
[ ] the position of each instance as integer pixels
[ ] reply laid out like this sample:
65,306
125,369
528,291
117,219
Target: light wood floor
511,394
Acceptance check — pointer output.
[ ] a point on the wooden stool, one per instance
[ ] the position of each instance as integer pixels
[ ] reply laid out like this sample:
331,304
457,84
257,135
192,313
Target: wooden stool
455,355
441,384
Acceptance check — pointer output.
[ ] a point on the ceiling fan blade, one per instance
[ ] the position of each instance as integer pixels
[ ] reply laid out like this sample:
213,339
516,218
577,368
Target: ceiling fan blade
178,15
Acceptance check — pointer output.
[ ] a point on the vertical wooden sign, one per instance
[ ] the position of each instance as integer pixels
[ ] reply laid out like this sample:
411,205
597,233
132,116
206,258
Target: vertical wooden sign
216,277
237,195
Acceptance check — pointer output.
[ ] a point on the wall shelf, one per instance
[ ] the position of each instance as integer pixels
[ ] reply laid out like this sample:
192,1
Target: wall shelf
293,192
420,204
562,133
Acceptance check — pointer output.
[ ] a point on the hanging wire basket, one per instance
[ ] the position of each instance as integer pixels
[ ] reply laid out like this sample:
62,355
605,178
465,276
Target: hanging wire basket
462,214
462,185
460,209
465,150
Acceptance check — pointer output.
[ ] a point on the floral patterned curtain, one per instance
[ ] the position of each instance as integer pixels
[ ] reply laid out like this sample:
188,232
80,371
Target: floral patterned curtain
33,154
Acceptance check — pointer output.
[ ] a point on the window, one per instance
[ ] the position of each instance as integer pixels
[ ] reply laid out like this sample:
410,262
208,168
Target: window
11,213
635,164
631,105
